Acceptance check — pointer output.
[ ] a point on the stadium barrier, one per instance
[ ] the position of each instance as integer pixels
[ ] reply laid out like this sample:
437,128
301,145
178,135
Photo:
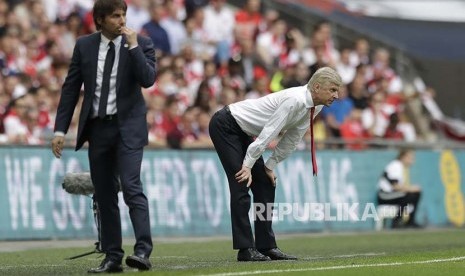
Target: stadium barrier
188,193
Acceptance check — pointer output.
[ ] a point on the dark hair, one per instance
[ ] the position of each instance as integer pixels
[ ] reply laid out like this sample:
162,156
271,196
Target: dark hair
104,8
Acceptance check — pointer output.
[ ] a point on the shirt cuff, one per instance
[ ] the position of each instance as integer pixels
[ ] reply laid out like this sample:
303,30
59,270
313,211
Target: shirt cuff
59,133
271,163
134,46
248,162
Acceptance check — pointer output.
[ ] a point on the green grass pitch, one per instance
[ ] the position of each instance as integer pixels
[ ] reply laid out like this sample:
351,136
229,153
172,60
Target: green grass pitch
406,252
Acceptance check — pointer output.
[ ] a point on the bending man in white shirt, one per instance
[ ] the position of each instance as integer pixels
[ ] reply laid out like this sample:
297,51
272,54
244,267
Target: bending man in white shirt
233,129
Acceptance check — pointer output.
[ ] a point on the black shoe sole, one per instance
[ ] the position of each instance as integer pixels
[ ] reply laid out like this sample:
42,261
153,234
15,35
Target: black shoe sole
253,260
136,264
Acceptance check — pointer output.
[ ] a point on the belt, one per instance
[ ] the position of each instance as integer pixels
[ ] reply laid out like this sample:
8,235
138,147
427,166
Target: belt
109,117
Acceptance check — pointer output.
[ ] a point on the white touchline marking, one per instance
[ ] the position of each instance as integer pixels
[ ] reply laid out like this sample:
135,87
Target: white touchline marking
338,267
5,267
344,256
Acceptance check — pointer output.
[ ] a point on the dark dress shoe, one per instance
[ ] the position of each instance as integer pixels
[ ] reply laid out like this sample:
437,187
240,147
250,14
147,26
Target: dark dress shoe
277,254
414,225
397,223
139,261
251,255
107,266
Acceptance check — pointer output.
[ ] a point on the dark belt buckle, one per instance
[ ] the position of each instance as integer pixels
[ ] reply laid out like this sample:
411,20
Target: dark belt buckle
110,117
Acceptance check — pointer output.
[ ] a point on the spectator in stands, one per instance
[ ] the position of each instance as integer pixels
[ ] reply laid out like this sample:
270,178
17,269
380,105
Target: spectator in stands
344,67
380,69
375,118
260,89
219,26
174,27
352,131
392,130
323,33
320,60
272,43
137,14
195,38
395,189
358,92
360,53
249,59
192,6
248,20
155,31
16,122
232,130
336,114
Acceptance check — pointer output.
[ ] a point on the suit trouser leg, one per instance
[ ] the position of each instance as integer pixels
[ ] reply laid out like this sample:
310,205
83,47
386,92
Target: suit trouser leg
102,160
231,145
129,164
263,194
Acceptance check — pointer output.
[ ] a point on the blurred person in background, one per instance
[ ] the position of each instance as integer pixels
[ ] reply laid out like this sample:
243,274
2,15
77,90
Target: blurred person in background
155,31
113,64
352,131
361,52
232,129
271,43
336,114
375,118
137,14
392,130
344,67
174,27
248,20
394,188
358,92
219,28
19,122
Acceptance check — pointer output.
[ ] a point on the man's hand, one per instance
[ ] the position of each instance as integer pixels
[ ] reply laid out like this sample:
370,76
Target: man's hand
57,145
271,175
244,175
131,36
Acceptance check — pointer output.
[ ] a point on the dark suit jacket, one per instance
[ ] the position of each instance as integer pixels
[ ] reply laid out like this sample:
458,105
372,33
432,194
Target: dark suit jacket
136,69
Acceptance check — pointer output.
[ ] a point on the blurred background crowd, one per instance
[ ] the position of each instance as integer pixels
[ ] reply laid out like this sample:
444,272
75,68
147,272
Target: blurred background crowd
209,54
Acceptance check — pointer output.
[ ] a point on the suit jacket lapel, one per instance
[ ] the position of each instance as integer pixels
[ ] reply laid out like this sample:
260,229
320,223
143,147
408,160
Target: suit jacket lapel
123,54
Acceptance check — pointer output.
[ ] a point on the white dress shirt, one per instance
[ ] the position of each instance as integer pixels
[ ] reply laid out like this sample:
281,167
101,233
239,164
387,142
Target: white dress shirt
102,54
287,112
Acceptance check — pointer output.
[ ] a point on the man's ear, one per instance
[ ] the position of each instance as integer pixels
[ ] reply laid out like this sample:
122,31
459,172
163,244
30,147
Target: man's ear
99,20
316,87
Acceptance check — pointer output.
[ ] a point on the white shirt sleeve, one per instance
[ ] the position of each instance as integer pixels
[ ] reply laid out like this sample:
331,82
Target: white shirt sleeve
286,146
271,130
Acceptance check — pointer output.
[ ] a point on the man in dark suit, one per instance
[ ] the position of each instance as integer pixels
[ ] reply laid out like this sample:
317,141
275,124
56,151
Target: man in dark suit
113,64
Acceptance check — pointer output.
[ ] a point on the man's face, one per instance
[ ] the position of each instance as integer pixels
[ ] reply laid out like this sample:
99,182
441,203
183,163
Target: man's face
325,93
112,24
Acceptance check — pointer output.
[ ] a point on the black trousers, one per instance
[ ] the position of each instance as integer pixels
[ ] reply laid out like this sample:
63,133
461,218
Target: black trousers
401,199
231,144
109,160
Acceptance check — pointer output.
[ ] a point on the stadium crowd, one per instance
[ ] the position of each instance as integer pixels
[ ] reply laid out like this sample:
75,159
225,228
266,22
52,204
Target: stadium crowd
209,54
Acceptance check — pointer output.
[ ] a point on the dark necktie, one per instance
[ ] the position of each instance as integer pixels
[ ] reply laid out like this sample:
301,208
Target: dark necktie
108,67
314,165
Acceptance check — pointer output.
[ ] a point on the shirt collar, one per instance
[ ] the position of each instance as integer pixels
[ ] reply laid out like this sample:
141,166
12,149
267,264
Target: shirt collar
308,97
105,40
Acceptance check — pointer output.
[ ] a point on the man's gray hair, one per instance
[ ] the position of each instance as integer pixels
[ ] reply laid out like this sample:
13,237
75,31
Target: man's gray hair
324,76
